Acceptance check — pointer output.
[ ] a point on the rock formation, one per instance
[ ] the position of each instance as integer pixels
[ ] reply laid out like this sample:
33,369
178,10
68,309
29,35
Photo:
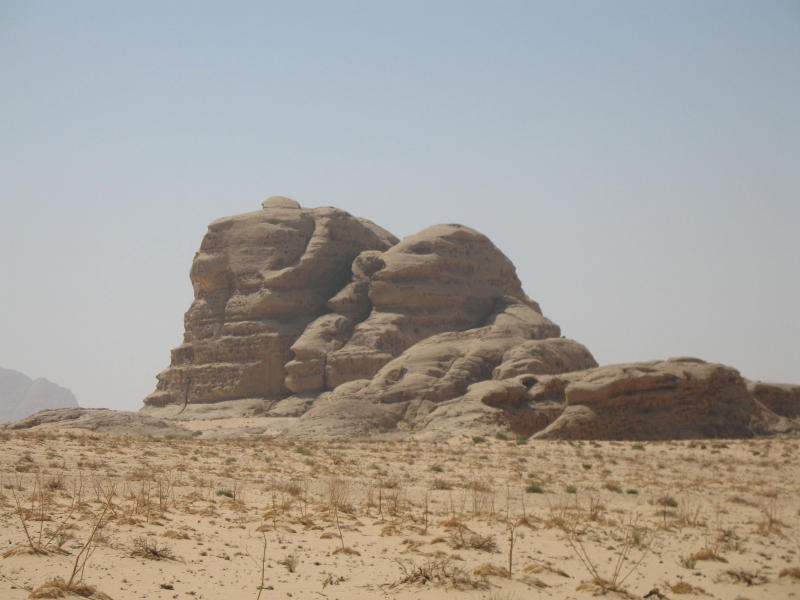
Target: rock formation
331,324
20,396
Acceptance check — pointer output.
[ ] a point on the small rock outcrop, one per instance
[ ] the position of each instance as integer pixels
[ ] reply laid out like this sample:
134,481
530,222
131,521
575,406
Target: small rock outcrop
21,396
323,325
679,398
101,420
781,398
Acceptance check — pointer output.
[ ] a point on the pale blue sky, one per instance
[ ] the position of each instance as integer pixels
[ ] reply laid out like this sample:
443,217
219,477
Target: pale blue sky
638,161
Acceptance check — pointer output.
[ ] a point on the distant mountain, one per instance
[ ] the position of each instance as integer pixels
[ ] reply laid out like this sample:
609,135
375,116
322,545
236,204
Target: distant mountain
21,396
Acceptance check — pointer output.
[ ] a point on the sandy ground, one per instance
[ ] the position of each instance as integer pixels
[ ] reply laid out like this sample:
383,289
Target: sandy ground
199,518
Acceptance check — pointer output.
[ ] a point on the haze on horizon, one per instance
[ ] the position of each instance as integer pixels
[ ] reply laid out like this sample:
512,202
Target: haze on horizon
638,162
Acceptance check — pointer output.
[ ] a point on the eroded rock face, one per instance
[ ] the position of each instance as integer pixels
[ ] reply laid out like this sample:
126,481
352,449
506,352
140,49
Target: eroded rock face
259,279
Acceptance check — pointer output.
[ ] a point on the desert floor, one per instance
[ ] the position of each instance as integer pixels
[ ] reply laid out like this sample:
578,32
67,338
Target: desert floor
399,519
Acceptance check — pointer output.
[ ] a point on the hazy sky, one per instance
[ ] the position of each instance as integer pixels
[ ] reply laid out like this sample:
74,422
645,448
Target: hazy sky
639,162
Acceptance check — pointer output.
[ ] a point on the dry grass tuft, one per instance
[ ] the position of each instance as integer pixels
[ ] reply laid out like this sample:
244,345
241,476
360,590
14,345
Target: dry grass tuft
540,567
599,586
534,581
489,570
24,549
708,554
346,550
684,588
175,535
793,572
59,588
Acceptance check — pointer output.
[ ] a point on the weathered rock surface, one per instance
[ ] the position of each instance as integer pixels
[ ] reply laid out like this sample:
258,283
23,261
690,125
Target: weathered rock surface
21,396
441,368
101,420
447,278
259,279
315,323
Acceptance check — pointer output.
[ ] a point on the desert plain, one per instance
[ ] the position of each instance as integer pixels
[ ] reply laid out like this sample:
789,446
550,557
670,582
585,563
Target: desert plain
388,516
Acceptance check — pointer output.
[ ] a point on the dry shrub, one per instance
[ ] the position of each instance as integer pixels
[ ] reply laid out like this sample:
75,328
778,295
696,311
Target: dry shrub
438,571
743,576
793,572
771,522
441,484
613,486
346,550
144,547
689,514
338,493
595,509
460,539
479,486
294,488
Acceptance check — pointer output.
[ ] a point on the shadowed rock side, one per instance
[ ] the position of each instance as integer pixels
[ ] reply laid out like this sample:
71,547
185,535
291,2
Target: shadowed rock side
259,279
781,398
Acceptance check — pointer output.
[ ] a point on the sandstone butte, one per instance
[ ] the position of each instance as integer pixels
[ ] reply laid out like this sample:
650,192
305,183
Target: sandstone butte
322,324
